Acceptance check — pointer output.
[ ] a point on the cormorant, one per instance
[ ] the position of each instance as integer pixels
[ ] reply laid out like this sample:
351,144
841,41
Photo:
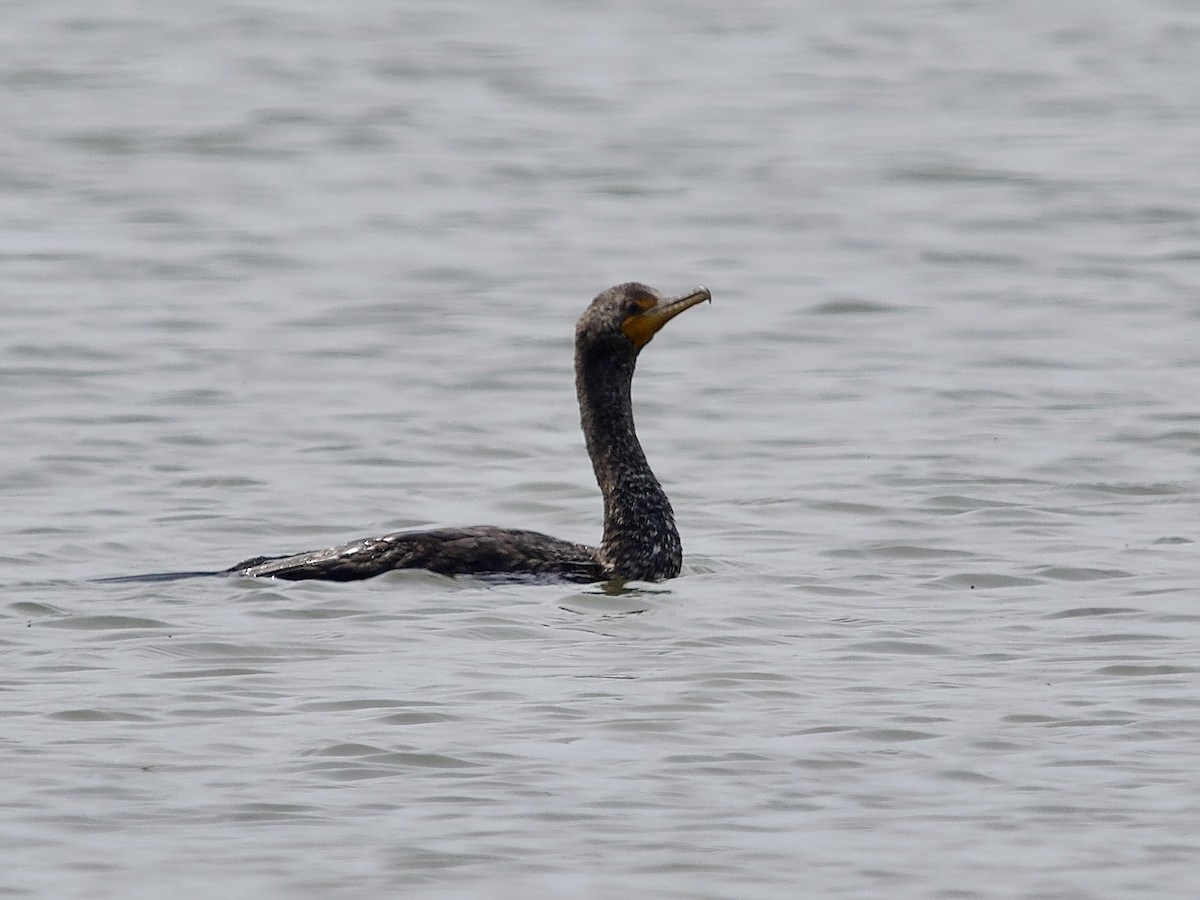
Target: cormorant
640,539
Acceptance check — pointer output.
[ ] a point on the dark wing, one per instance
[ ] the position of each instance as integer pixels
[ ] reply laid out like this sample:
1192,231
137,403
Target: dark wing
481,550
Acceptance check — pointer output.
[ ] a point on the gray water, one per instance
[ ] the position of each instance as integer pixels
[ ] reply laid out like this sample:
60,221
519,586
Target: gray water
277,275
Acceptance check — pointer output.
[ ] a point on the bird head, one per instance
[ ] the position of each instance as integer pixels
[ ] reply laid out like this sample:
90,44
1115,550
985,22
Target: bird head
631,314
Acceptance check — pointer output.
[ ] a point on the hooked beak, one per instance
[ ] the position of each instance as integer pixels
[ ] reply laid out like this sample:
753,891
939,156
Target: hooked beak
642,327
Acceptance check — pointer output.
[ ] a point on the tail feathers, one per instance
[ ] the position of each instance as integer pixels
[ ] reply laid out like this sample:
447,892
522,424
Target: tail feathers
154,576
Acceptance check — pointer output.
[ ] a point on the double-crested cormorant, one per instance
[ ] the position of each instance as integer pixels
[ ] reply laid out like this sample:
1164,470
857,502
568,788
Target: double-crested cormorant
640,539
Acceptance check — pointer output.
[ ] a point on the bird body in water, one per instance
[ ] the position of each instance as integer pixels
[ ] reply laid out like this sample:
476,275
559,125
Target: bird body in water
640,540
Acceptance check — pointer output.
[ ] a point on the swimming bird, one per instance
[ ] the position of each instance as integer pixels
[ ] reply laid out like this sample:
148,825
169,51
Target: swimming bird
640,540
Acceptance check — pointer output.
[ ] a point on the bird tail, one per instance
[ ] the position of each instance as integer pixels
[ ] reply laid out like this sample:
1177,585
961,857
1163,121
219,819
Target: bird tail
153,577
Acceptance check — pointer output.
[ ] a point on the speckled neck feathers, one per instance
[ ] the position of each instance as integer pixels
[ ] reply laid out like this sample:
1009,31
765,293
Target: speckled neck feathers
640,539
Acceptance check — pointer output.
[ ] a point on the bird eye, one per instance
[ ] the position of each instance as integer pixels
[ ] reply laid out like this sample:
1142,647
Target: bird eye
643,303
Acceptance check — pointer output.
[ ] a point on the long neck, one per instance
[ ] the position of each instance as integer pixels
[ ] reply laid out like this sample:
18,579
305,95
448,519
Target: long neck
640,539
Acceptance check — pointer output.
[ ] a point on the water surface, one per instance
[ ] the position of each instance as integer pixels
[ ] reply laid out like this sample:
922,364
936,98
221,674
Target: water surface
278,275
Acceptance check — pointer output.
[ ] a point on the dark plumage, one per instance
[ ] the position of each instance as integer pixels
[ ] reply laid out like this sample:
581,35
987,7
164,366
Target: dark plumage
640,540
